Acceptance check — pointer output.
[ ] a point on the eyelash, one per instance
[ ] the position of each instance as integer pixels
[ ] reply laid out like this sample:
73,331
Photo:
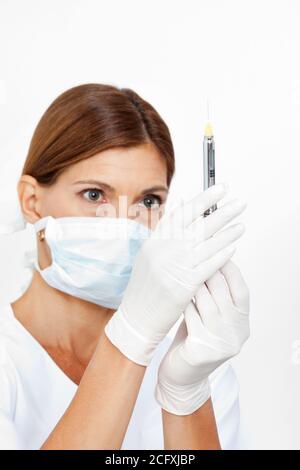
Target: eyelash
148,196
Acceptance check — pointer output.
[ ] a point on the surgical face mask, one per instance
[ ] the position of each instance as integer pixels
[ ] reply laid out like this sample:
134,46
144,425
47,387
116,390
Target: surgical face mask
92,257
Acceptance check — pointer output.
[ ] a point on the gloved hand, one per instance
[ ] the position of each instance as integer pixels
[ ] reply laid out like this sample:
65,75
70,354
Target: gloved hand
214,329
180,254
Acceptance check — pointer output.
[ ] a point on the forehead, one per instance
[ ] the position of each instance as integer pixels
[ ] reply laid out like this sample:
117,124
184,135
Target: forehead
141,163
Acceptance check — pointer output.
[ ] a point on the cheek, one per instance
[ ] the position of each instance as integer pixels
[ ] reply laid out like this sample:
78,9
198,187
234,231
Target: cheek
58,204
149,218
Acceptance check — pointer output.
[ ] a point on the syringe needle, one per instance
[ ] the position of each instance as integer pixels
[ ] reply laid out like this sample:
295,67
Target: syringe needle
207,109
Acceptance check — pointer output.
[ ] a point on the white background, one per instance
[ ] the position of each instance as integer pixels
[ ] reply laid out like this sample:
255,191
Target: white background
245,57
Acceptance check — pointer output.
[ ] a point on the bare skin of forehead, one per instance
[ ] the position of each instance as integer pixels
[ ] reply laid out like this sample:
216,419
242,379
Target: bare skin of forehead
122,168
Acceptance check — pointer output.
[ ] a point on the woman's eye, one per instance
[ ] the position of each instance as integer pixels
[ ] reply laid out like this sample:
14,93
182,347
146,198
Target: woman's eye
150,201
92,194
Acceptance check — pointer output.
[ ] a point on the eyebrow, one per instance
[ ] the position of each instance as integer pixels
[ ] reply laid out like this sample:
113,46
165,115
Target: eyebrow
111,189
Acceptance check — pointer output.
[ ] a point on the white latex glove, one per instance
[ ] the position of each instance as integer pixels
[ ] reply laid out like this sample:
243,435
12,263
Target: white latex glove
180,254
213,330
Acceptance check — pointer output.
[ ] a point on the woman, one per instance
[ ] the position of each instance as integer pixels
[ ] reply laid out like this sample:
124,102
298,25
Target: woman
86,362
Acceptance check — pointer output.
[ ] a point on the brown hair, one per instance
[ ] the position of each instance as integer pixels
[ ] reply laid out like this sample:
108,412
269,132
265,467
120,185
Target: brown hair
91,118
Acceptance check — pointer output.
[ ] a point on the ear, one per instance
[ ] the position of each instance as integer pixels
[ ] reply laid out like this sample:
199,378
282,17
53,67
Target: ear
29,196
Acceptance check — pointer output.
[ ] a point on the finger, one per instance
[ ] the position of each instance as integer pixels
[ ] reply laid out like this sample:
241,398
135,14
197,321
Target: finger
188,211
208,226
237,285
192,318
180,335
219,241
207,307
219,290
207,268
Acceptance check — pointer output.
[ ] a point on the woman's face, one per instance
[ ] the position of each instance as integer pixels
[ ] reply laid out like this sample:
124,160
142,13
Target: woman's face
117,182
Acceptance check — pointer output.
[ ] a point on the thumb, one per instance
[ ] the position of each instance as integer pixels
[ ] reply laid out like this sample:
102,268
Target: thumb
192,318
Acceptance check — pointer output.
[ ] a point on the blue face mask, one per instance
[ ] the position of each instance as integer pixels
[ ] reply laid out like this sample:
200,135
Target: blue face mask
92,257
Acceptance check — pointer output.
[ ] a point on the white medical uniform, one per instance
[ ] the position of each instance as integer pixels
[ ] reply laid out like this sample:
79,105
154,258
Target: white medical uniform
35,392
